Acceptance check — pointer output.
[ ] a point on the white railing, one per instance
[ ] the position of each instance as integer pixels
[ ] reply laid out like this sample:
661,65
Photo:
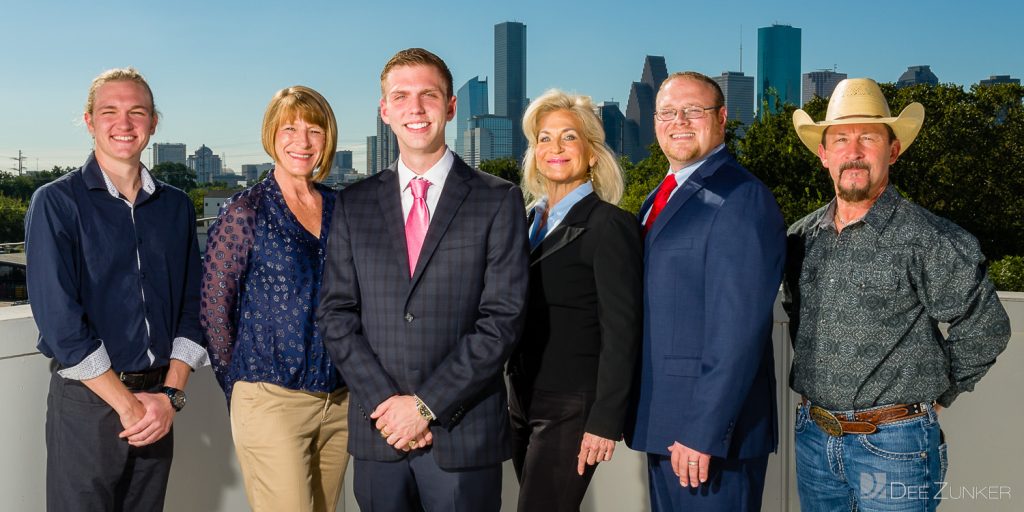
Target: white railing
983,429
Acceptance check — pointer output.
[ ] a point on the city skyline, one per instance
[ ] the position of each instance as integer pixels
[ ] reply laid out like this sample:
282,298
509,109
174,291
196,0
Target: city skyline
214,74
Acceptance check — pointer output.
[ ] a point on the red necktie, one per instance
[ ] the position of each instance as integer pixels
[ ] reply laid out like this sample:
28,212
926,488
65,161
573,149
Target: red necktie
660,199
417,222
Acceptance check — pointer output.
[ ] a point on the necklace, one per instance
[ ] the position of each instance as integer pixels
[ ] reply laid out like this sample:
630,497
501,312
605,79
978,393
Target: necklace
844,223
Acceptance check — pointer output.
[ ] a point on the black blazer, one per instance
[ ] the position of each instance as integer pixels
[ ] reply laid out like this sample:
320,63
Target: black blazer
584,312
444,334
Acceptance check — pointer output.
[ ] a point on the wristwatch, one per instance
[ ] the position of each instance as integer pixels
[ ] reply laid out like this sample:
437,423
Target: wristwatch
176,395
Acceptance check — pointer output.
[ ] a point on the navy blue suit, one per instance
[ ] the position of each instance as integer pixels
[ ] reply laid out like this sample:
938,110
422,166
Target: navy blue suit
712,266
444,334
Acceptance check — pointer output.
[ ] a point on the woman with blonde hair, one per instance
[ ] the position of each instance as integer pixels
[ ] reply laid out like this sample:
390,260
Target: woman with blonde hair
261,285
572,371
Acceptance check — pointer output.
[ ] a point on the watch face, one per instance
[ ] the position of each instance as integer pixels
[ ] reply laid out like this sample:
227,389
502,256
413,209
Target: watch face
177,397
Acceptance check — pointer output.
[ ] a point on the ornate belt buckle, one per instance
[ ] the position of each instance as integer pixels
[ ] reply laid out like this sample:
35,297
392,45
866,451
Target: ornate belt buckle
826,421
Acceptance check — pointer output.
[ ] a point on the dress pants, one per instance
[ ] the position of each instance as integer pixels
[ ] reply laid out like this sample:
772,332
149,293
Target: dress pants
292,446
89,468
547,429
734,485
416,483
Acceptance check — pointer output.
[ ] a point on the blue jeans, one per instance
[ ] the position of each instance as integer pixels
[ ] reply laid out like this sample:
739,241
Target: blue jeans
898,468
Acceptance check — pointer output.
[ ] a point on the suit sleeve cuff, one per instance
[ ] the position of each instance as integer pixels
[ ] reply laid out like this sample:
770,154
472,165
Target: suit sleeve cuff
89,368
190,353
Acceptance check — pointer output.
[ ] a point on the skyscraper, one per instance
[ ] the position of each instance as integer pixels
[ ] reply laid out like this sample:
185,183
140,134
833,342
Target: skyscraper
343,159
472,101
372,167
820,83
640,107
510,78
778,65
612,120
915,75
387,144
205,164
168,153
738,90
488,137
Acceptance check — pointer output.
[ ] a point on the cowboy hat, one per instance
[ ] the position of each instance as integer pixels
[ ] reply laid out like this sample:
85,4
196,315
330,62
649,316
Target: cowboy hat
859,101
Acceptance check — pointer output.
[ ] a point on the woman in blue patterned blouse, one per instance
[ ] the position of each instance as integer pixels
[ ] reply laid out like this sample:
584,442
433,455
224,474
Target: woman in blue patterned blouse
261,284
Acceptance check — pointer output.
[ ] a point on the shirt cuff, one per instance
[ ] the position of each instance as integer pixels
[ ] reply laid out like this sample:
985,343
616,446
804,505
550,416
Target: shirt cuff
189,352
425,406
91,367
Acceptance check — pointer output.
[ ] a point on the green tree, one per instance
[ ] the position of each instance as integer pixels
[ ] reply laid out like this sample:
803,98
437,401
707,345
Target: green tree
642,177
175,174
12,219
504,168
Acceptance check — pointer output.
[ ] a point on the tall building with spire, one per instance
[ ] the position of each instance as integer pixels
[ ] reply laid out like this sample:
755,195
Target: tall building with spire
510,78
778,65
640,107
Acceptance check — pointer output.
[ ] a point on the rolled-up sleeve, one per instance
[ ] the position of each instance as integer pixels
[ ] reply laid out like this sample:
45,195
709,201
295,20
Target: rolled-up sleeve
53,278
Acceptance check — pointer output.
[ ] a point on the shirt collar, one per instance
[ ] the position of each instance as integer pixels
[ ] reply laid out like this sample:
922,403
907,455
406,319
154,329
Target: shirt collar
94,174
683,174
559,211
435,175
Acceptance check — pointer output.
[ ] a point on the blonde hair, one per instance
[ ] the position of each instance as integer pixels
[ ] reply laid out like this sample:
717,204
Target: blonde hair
301,102
128,74
606,174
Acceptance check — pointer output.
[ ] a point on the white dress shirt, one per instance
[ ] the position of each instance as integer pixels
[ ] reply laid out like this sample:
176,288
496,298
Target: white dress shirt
436,175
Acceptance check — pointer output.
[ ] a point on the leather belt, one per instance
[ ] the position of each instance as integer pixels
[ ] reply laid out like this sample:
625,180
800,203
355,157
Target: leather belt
862,422
145,380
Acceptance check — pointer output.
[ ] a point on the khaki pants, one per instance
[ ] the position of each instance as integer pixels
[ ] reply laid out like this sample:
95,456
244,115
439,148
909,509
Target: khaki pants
292,446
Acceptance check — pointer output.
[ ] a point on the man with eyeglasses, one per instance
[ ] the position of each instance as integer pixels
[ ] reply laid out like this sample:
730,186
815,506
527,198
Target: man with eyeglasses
714,247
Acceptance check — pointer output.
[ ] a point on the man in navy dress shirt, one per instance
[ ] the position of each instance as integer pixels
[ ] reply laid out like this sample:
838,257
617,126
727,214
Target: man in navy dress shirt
113,279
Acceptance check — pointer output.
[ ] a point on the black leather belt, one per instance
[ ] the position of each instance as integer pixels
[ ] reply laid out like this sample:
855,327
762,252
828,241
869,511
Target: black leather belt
145,380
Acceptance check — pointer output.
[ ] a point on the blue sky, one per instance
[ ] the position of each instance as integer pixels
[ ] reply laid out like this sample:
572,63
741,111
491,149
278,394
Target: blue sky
214,65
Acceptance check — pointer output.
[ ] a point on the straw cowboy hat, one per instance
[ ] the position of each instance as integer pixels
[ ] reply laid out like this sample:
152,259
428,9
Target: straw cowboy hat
859,101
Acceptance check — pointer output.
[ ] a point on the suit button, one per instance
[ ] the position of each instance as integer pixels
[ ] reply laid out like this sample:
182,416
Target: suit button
409,317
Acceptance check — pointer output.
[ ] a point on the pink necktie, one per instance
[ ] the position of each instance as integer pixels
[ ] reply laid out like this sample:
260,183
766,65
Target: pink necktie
417,222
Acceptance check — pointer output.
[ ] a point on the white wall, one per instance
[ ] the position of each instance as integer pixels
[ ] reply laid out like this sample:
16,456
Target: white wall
982,429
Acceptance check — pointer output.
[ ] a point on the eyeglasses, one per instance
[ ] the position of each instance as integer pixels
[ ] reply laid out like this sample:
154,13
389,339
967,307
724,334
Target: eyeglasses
669,114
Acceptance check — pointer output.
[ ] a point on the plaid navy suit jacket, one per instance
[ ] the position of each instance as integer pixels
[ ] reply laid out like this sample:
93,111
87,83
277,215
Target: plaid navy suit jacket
444,334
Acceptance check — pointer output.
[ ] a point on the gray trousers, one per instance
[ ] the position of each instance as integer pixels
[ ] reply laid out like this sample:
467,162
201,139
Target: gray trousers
88,468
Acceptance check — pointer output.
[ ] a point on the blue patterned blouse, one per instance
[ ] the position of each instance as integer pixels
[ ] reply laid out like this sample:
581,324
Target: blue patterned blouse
261,286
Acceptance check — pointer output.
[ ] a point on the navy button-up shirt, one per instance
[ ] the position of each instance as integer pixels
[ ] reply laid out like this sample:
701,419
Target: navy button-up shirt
113,284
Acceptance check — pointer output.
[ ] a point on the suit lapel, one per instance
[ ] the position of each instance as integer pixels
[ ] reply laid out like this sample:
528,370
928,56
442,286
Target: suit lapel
453,194
389,200
690,187
571,227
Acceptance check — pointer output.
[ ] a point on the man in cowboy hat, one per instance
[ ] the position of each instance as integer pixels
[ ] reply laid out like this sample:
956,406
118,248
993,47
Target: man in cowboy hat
868,279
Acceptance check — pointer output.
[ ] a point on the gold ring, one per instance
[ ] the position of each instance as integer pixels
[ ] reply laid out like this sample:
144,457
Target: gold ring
412,444
385,434
691,463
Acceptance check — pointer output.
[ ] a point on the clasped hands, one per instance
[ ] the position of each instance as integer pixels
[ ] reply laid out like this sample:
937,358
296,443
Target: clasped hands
400,424
148,420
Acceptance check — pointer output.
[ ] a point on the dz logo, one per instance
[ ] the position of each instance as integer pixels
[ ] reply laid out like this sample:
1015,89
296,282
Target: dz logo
872,485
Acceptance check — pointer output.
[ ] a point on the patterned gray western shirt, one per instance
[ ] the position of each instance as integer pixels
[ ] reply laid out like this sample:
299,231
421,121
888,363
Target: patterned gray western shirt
870,300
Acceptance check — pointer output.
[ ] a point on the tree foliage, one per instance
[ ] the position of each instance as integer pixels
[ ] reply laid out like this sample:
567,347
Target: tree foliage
175,174
504,168
12,219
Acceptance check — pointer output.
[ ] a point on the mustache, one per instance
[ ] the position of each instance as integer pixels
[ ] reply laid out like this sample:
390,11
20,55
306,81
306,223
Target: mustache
854,164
